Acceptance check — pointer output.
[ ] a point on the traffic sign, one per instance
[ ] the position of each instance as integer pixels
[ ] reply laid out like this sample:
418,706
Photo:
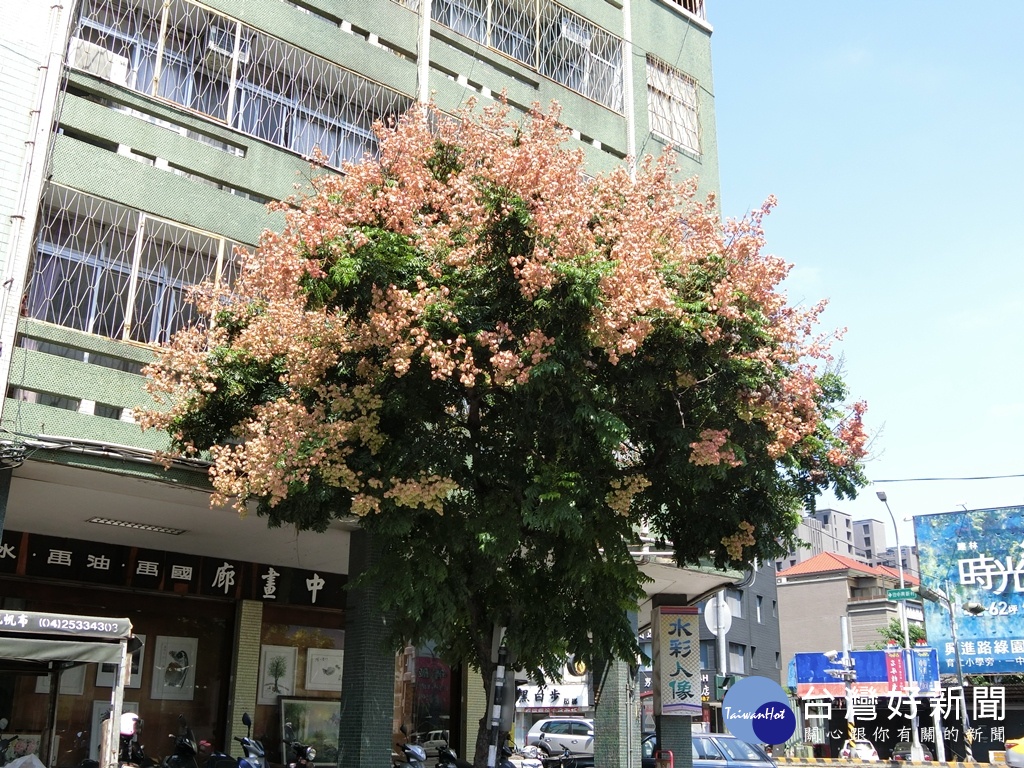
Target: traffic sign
901,594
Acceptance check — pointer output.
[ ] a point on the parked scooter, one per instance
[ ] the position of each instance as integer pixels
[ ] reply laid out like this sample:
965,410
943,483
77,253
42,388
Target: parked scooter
411,755
254,752
185,747
446,758
130,752
302,755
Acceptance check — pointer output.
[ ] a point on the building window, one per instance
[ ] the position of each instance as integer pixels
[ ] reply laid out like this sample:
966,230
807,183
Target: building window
753,657
760,603
775,608
734,599
708,657
113,271
560,44
672,105
236,75
778,660
737,658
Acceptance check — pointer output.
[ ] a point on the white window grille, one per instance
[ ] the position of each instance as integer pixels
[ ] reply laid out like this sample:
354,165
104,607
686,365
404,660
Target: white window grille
672,105
238,75
113,271
558,43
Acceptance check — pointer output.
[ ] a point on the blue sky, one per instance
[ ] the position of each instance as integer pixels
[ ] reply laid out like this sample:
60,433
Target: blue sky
893,136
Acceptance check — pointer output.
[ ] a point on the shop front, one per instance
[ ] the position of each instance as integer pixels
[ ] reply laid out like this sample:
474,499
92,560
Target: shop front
219,637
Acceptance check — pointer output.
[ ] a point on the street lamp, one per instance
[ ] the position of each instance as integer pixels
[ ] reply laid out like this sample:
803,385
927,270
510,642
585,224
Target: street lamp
916,752
974,609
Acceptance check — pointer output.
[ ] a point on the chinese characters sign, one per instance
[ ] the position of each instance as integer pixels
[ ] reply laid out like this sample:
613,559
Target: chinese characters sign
975,557
676,646
88,562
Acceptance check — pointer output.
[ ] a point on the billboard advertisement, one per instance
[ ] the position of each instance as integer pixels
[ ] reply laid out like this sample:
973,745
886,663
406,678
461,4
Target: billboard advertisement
976,558
877,673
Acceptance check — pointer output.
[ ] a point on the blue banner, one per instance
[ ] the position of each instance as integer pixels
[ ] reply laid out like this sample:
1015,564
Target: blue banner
976,559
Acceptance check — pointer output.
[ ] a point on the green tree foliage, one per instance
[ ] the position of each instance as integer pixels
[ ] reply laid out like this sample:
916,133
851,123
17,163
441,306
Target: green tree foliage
507,369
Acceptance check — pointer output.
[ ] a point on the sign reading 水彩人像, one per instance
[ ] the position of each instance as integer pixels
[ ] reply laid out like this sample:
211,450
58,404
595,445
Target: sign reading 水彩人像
975,557
676,655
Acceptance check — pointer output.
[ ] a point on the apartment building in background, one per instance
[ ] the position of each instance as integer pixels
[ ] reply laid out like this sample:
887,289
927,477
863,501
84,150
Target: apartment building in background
141,142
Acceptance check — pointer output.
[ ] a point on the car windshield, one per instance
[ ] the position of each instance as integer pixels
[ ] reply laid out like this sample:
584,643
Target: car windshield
740,750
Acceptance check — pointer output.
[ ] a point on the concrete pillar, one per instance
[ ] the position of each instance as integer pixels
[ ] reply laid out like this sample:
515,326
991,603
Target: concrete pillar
367,691
245,671
676,734
617,718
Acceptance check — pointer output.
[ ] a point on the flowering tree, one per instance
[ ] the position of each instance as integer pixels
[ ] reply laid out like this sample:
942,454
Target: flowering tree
505,369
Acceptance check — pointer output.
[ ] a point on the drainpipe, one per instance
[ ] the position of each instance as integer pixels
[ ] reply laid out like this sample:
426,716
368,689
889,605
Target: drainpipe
627,86
423,55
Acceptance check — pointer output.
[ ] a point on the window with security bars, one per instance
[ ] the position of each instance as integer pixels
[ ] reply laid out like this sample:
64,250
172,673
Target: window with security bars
234,73
545,36
117,272
672,105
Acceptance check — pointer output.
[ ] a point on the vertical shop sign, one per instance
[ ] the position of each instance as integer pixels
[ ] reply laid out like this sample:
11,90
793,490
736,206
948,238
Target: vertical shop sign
895,672
676,661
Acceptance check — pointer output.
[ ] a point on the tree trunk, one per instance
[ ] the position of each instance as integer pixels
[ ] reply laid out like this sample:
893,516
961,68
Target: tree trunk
483,735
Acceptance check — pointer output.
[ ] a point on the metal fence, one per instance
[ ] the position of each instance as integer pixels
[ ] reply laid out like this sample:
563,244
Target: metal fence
235,74
117,272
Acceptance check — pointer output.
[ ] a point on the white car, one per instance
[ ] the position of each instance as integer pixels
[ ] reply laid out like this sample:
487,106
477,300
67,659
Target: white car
573,733
859,749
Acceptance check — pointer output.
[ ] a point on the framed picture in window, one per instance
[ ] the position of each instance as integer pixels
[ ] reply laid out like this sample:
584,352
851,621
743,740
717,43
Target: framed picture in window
277,673
323,669
72,682
313,722
174,668
105,672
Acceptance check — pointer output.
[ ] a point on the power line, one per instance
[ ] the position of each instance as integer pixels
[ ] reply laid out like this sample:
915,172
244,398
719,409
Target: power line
934,479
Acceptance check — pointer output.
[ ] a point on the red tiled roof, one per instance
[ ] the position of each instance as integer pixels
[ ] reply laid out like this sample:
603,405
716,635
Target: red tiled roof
830,562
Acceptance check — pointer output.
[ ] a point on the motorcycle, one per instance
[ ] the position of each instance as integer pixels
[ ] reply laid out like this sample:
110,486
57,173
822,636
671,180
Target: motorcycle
412,755
185,747
303,755
446,758
254,752
130,752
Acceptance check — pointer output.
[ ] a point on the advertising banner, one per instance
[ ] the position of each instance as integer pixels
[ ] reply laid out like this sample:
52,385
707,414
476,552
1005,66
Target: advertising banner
877,673
976,559
676,646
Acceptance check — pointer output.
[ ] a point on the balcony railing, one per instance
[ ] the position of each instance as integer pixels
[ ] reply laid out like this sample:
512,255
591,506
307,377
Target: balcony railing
545,36
235,74
117,272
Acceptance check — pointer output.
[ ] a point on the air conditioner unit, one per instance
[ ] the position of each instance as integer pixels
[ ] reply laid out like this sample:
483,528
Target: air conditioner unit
220,45
573,29
97,60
